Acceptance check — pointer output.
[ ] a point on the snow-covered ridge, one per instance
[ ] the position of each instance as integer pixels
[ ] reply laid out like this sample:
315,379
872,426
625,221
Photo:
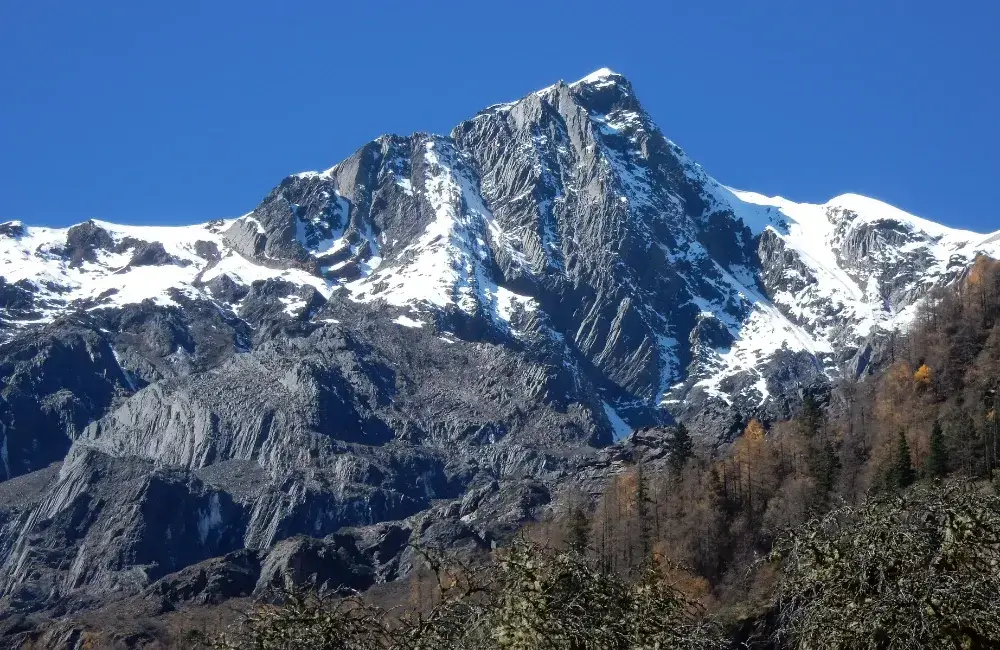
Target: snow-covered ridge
865,209
861,250
109,275
859,266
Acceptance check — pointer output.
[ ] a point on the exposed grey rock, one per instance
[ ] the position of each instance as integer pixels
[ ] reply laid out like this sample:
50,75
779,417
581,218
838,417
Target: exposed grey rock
150,254
17,300
13,229
113,525
55,382
212,581
84,240
224,289
332,564
209,250
278,299
782,270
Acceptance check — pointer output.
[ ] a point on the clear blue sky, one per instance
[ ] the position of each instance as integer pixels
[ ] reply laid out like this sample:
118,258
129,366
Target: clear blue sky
182,111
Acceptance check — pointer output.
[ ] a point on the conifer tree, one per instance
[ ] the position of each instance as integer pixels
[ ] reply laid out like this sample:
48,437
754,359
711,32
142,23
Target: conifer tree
828,467
680,446
578,535
642,502
810,416
937,461
902,474
969,449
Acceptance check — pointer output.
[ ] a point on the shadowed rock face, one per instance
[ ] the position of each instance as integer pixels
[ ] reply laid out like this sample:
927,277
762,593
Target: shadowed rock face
54,383
84,241
340,425
150,254
423,344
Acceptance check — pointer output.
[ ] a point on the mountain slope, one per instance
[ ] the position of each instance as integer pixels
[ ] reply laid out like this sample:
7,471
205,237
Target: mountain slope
425,341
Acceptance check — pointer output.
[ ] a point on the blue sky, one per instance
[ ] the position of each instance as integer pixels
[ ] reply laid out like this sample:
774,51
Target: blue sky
177,112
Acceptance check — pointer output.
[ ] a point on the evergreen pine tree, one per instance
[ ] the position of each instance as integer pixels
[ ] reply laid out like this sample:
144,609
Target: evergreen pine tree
810,417
680,446
969,449
578,535
828,467
642,502
937,460
902,474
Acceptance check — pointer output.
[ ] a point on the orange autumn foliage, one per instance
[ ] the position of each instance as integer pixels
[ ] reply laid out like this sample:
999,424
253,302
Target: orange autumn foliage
754,431
923,376
983,268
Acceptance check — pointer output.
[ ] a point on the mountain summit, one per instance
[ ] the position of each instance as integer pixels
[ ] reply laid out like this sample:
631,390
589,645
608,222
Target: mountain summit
423,341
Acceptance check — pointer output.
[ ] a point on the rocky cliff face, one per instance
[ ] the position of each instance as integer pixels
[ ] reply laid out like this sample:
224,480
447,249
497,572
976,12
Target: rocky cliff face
423,342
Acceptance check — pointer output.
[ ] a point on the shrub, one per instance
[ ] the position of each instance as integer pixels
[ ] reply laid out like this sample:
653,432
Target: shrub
912,570
529,598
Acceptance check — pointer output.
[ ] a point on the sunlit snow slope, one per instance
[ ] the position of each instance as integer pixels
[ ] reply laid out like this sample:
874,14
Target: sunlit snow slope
834,275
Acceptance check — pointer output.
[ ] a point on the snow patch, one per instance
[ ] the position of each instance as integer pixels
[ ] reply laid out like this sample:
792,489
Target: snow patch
294,304
448,265
620,428
129,378
598,77
406,321
209,521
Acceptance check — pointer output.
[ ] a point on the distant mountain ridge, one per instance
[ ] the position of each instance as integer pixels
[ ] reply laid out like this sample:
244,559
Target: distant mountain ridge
430,338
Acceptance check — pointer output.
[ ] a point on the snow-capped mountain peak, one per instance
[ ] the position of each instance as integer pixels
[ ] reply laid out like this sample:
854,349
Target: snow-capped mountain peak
600,77
563,221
